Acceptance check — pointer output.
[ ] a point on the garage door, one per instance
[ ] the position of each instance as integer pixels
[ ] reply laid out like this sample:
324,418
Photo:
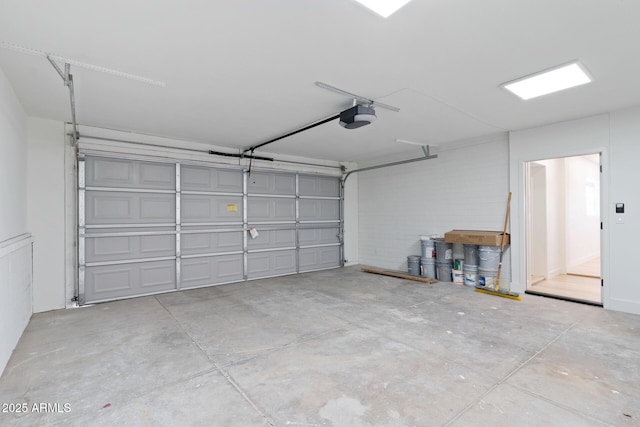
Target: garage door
147,227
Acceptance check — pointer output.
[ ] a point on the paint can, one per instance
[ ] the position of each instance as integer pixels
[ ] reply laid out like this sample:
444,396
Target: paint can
428,267
471,254
444,251
413,265
487,278
458,277
489,257
470,275
428,248
444,271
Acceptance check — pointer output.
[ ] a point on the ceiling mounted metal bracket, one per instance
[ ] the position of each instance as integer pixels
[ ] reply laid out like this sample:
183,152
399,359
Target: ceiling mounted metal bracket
67,78
357,98
427,156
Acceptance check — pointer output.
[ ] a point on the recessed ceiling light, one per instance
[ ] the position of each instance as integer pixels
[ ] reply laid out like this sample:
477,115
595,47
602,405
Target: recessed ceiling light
549,81
383,8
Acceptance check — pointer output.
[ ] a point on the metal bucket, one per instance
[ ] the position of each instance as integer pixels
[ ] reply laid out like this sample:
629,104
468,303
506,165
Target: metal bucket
413,265
487,278
444,271
470,275
428,248
428,267
471,254
444,251
489,257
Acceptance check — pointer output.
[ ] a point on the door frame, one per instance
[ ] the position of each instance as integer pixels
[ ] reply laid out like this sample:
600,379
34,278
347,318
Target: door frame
518,226
529,166
528,195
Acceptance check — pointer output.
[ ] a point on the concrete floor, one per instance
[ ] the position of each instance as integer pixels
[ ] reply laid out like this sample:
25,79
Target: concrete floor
338,347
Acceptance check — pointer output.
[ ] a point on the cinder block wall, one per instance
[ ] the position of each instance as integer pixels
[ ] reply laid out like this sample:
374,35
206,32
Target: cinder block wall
465,188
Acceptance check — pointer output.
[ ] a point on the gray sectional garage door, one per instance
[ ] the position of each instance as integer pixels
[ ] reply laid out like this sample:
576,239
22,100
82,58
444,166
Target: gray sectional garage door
147,227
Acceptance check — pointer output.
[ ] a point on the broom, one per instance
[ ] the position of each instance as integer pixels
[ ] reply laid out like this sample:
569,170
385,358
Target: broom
496,290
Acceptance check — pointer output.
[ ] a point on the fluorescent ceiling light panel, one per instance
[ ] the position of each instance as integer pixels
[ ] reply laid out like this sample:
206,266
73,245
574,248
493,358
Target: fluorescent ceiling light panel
549,81
383,8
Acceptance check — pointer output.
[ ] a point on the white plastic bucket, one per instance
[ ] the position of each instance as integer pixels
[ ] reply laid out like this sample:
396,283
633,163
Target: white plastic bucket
489,257
458,277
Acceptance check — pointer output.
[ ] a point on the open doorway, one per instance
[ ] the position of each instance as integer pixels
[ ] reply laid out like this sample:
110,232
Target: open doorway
563,228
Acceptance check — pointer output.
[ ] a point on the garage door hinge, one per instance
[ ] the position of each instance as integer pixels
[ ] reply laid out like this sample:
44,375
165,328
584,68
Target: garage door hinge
74,299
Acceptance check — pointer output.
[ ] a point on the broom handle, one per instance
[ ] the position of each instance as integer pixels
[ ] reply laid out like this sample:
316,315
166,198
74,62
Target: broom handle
504,232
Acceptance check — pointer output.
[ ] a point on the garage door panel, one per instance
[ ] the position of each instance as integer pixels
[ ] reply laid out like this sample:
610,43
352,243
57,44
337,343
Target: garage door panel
155,275
122,280
157,175
268,210
197,178
319,186
110,172
318,236
266,264
203,243
211,270
161,245
117,248
319,258
130,216
156,208
201,208
319,209
112,207
270,239
271,183
122,173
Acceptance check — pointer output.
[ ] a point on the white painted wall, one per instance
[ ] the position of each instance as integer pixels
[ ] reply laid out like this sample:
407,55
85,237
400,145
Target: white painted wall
623,288
556,217
15,242
538,218
582,229
616,135
13,163
46,211
466,187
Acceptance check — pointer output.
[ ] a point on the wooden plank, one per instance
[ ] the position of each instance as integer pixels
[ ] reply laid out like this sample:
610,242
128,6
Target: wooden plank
398,274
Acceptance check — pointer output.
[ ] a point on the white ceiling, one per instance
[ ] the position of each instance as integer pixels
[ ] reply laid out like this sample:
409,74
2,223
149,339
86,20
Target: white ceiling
241,72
